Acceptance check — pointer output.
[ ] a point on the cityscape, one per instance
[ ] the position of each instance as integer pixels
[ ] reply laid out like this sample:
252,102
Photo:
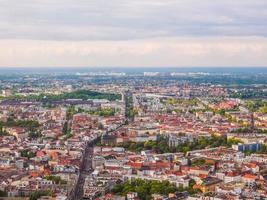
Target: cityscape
133,100
133,134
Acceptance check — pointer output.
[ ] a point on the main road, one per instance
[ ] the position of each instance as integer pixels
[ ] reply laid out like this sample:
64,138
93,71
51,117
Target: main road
86,165
85,170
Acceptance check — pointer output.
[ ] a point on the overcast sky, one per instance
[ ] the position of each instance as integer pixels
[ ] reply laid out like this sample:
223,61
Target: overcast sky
133,33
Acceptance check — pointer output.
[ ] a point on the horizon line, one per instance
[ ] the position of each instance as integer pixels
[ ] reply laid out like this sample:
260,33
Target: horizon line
123,67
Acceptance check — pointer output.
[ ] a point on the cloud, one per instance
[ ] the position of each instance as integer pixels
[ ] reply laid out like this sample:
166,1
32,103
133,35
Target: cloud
126,20
179,51
133,33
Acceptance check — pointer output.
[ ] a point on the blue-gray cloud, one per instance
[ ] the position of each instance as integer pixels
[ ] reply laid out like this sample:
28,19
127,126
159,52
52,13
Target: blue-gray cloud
127,20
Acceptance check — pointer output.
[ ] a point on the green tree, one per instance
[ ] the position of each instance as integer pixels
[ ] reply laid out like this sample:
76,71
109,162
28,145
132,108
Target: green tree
66,129
145,188
39,193
3,193
70,112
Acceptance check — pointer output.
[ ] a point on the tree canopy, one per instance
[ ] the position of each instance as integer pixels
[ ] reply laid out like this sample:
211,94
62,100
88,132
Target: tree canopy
145,188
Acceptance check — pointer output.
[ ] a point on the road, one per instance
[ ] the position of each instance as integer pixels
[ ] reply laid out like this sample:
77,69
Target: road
86,166
85,170
129,114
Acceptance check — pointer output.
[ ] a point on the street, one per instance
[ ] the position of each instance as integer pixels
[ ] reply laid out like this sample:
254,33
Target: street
85,170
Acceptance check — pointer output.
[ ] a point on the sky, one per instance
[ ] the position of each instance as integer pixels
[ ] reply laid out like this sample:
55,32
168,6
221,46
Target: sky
132,33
